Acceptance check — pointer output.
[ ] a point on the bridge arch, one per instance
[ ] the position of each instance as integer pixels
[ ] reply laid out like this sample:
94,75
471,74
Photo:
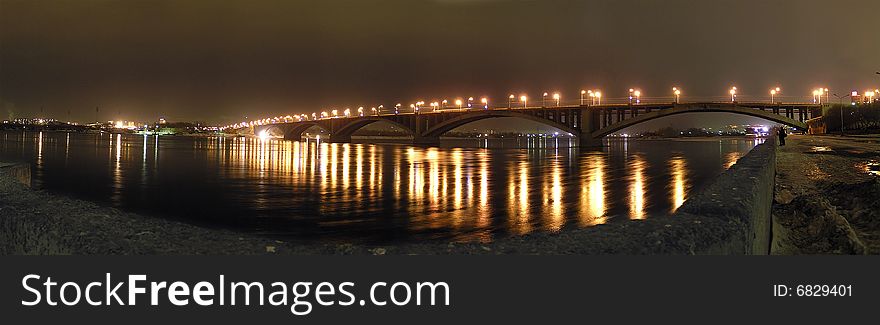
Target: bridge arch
644,117
350,128
439,129
290,131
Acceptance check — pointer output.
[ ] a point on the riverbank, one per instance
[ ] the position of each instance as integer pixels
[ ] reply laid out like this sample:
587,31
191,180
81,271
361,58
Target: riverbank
826,199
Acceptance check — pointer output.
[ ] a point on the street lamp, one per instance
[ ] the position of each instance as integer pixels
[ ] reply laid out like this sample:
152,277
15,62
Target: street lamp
598,95
773,93
361,111
444,102
638,94
524,100
458,103
485,102
677,93
375,112
510,101
347,112
335,113
583,92
870,95
733,94
379,110
816,95
397,109
470,100
556,98
631,96
543,97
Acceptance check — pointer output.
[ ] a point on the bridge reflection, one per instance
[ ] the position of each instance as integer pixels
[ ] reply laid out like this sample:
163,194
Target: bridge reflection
456,190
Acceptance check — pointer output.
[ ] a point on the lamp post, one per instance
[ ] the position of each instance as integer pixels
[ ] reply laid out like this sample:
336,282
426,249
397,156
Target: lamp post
397,109
556,98
444,102
510,101
458,103
524,100
773,93
543,98
677,93
485,102
638,94
733,94
470,101
598,95
583,92
631,96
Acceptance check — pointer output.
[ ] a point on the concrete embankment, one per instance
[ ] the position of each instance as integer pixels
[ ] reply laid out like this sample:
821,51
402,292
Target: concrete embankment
730,216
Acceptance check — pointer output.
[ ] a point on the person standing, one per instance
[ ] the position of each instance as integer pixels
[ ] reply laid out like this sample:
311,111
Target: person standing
782,135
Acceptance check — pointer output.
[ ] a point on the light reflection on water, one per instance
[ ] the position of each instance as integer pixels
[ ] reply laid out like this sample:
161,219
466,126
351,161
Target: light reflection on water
362,192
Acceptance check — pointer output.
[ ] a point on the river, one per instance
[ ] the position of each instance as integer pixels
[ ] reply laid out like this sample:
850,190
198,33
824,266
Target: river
465,190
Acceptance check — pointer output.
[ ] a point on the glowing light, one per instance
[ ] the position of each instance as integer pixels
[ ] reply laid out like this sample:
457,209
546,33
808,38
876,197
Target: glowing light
678,168
264,135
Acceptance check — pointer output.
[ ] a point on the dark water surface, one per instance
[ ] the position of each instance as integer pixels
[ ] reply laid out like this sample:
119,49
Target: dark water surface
373,193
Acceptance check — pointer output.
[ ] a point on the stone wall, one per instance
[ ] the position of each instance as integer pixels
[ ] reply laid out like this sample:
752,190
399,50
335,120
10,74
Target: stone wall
742,197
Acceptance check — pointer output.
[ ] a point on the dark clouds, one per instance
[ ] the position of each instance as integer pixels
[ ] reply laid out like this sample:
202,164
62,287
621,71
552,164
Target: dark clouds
222,60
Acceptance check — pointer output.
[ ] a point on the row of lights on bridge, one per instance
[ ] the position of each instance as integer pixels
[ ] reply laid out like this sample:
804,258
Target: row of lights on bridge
595,98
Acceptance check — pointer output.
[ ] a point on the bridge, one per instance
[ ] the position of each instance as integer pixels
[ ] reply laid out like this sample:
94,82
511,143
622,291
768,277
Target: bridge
589,123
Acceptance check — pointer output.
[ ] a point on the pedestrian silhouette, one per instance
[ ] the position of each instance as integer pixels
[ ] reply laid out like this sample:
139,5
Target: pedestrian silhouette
781,133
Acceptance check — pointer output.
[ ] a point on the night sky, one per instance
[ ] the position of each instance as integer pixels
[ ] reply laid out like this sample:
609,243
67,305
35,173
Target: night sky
219,61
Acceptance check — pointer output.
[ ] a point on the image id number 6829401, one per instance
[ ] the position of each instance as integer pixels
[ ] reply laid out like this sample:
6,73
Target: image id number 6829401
813,290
